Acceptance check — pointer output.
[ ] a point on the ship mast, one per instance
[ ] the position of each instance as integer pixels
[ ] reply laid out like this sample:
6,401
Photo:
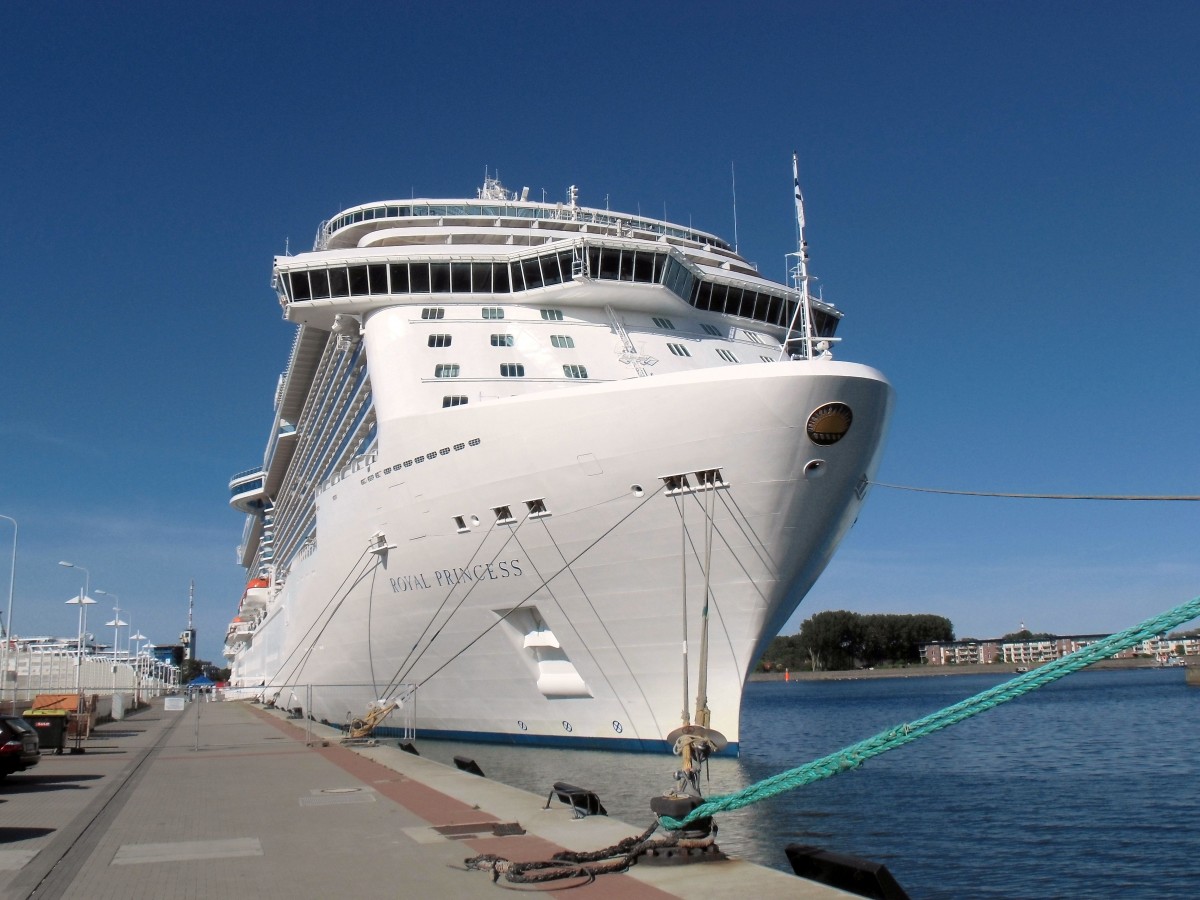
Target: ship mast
799,273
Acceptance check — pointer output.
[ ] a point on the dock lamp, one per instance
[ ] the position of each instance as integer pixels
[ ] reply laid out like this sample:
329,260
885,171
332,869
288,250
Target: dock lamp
83,601
116,624
135,641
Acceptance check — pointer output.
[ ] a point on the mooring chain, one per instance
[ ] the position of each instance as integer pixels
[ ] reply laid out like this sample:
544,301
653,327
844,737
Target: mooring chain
587,863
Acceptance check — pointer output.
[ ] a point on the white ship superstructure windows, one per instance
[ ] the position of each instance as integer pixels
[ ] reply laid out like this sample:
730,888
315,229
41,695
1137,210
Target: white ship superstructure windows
710,329
726,355
502,340
481,278
460,278
433,312
767,358
512,370
773,304
418,278
439,340
493,312
453,400
552,315
664,323
679,349
533,272
445,370
439,278
752,336
573,371
626,264
562,341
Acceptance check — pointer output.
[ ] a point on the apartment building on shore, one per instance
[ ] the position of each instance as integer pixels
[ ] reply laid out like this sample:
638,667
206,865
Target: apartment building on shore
1044,649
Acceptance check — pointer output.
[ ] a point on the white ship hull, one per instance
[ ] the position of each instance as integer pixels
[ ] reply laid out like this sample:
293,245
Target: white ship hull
570,627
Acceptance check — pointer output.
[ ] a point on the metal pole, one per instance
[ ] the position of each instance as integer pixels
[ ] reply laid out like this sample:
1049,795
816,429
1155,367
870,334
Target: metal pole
12,579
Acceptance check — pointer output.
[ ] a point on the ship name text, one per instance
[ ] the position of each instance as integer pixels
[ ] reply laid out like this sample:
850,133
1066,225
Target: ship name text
505,568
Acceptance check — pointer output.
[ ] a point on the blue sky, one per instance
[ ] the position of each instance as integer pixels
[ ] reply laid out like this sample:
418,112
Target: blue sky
1001,196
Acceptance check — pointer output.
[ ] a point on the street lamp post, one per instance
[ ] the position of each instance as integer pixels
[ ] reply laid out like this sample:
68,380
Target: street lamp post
12,578
135,639
117,625
83,601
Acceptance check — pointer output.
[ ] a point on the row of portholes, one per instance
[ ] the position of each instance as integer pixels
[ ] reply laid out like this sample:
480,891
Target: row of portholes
430,456
568,727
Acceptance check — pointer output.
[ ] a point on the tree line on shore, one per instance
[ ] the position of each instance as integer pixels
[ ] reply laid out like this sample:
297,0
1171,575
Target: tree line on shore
837,640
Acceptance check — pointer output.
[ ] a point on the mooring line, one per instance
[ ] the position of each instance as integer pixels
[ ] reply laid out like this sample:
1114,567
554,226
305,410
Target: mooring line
1139,497
855,755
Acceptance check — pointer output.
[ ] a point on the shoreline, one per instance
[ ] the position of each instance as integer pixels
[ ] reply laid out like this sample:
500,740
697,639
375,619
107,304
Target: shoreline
949,671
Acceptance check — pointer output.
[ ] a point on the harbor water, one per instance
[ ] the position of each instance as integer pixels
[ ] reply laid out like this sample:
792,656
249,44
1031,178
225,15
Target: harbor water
1084,788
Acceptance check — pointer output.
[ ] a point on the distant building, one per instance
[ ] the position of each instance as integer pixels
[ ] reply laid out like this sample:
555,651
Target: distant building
1032,652
956,653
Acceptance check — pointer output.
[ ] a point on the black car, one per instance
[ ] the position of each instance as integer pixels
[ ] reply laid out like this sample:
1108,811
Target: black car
18,745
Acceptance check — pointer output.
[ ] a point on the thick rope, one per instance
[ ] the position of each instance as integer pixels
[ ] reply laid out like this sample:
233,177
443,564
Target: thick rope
855,755
928,490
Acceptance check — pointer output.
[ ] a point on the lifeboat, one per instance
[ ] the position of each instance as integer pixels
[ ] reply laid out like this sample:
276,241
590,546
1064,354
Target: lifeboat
255,597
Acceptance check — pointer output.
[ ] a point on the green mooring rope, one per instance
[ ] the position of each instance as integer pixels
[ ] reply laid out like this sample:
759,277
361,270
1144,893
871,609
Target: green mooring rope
855,755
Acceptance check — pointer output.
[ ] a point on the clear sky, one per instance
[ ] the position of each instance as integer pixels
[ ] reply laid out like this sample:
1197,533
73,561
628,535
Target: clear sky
1002,196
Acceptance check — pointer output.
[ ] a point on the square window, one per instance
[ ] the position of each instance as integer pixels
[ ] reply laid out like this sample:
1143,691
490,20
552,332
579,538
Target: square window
493,312
679,349
709,329
664,323
562,341
460,278
512,370
433,312
439,340
552,315
445,370
454,400
573,371
726,355
502,340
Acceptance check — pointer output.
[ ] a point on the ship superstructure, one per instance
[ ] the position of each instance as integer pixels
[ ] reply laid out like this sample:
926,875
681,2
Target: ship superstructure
524,455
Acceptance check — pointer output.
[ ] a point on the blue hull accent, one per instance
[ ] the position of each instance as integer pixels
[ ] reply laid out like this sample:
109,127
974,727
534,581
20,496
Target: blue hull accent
564,742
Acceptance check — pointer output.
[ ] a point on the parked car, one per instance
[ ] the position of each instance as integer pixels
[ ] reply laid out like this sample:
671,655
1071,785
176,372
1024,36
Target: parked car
18,745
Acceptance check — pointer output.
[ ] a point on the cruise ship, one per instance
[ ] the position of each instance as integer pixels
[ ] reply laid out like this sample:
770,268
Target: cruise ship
541,473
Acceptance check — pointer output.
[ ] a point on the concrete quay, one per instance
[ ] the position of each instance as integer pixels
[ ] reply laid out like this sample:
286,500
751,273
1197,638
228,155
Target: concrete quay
226,799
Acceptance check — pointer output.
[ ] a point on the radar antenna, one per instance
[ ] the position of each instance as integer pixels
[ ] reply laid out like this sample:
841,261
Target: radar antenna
493,190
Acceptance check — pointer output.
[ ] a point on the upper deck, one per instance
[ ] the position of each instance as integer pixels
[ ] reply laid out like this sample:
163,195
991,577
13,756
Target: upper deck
380,254
498,208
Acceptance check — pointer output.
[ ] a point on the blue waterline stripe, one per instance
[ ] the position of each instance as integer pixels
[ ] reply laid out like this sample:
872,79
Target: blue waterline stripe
567,742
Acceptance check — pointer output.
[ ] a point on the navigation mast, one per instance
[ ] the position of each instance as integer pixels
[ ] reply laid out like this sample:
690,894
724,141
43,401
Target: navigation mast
799,273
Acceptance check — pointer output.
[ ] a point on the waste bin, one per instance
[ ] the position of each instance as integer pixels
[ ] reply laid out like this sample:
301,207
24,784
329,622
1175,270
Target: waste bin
51,727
